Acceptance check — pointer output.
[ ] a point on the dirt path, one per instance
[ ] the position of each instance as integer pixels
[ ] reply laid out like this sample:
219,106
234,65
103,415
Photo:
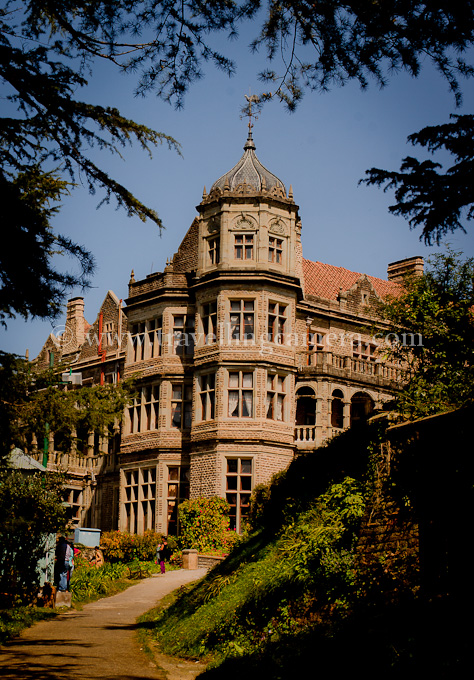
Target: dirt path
98,642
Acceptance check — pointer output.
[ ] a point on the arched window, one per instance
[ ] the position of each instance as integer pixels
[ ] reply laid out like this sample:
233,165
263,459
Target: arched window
362,406
337,409
305,406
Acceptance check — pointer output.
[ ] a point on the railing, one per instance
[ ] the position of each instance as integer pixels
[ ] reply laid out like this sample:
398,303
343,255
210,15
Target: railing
305,433
78,463
327,361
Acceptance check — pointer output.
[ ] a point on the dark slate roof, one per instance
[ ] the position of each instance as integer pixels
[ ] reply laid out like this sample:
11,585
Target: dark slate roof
249,171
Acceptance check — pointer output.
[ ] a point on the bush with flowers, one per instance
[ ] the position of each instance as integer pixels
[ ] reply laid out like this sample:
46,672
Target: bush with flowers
204,525
120,546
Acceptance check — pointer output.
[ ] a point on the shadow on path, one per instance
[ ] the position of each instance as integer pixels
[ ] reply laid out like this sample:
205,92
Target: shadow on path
98,642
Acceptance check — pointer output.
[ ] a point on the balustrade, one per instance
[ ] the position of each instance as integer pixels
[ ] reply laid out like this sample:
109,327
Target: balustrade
305,433
327,361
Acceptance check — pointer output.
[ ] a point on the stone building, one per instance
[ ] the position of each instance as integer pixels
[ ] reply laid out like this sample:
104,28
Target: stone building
244,354
94,355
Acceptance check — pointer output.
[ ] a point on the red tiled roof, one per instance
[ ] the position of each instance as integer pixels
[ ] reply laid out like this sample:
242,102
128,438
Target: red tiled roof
325,281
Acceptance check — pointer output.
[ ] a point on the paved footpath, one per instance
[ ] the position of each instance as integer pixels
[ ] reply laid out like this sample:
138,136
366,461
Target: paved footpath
98,642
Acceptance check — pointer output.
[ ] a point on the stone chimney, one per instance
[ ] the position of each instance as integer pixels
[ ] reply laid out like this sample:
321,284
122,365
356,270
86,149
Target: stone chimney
75,330
396,271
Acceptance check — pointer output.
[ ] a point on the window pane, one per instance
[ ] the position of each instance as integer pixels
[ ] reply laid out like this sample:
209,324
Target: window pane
247,380
246,483
176,414
233,403
247,404
232,465
246,467
233,379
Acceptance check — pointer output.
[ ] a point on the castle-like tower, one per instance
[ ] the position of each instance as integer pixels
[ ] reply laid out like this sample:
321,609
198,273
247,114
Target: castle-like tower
244,355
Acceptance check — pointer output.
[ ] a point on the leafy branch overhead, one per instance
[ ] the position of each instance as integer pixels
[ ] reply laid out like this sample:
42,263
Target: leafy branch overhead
48,50
316,45
437,200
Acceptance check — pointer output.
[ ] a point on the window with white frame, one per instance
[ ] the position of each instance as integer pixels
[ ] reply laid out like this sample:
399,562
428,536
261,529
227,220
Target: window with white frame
181,406
183,334
146,339
277,314
276,394
207,395
240,394
213,245
238,490
138,341
244,246
209,322
139,505
275,250
177,492
154,329
144,410
242,319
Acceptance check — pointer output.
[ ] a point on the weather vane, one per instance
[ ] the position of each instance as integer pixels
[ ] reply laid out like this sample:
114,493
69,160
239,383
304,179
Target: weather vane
247,110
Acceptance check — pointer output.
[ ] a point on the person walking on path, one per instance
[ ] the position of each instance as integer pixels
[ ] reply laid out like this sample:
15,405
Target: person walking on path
162,554
97,642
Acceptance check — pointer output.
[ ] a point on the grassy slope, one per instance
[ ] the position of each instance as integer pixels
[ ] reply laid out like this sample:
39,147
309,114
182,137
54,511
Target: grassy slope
296,565
291,597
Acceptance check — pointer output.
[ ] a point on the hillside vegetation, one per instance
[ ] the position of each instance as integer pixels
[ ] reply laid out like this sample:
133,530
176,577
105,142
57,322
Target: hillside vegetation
299,591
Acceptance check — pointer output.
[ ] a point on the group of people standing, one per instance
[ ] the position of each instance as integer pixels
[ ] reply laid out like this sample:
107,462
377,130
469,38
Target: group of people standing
65,560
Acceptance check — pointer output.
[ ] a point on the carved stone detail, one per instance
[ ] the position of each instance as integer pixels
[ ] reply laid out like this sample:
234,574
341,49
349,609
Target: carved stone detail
244,223
278,227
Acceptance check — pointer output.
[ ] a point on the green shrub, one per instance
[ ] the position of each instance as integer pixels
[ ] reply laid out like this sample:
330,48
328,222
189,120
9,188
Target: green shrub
87,582
204,524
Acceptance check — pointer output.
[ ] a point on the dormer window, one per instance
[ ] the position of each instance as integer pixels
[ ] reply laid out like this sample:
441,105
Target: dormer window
243,246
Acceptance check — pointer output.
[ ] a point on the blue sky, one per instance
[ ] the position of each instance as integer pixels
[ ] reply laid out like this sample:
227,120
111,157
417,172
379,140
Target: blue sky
322,150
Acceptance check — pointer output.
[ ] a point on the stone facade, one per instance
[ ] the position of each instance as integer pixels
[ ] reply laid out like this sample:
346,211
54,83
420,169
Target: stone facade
244,353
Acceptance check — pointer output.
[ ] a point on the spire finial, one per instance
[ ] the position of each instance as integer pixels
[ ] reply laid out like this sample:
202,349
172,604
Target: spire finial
252,100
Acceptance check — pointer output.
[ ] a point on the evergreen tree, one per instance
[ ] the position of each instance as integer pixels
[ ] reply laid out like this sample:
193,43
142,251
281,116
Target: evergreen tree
49,49
437,200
